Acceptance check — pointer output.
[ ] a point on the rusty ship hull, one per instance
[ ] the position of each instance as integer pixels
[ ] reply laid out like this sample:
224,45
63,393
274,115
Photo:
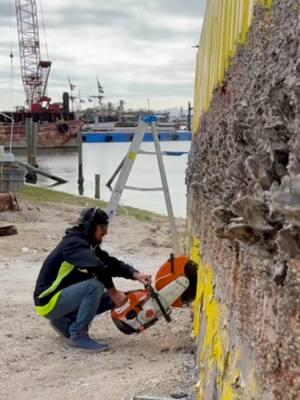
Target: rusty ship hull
59,133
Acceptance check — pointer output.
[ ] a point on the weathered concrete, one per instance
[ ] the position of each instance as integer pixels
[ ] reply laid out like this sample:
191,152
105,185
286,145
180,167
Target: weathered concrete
244,189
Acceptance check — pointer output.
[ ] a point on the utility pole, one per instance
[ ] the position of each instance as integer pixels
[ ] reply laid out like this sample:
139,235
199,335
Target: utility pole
31,136
80,166
189,117
120,110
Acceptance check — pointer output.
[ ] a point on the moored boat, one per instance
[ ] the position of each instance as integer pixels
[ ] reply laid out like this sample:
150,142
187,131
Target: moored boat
54,129
127,136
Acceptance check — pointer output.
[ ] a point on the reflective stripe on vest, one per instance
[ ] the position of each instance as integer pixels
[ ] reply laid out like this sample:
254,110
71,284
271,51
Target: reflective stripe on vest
63,271
47,308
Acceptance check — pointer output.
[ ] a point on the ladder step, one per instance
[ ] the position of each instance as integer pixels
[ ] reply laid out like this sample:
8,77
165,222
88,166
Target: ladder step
158,189
147,152
164,153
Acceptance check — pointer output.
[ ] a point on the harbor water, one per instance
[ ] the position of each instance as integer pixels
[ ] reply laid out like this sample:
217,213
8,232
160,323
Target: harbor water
103,159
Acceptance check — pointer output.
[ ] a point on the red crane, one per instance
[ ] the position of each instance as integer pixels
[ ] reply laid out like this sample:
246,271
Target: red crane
34,70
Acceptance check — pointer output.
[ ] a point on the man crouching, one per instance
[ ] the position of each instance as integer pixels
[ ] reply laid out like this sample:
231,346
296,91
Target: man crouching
75,281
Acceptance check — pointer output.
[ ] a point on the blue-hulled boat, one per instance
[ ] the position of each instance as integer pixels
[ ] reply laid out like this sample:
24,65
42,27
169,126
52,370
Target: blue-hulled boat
120,136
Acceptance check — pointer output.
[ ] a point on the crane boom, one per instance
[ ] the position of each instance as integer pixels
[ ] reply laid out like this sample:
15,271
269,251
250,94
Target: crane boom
34,71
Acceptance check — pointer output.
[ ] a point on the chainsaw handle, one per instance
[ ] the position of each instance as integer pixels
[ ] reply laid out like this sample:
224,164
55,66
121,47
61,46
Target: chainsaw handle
155,296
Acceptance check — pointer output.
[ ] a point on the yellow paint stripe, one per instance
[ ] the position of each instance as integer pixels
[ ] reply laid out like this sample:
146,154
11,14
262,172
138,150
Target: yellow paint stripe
215,351
225,25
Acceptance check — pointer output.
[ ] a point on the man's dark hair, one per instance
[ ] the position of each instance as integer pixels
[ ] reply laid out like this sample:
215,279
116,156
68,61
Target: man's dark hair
90,217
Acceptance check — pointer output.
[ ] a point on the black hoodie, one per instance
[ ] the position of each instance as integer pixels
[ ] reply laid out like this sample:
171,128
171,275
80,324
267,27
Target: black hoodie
72,261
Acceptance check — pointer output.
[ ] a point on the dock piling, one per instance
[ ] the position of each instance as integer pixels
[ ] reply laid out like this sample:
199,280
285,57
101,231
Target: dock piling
80,167
31,137
97,186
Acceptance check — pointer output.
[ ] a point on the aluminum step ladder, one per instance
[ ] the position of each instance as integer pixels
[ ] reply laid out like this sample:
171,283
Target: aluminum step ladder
127,165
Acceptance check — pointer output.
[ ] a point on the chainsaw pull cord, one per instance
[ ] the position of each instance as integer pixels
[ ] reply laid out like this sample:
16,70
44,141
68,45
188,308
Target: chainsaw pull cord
155,296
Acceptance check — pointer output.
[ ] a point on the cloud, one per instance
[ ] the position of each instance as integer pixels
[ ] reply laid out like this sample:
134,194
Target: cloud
7,9
138,49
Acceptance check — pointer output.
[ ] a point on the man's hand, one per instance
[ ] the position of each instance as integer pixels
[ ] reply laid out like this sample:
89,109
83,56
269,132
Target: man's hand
145,279
118,297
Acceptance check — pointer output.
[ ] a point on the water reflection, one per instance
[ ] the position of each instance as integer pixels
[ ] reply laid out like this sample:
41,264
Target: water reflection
103,159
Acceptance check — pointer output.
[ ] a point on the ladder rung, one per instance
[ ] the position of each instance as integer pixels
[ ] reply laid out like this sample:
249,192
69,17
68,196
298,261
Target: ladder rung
164,153
146,152
159,189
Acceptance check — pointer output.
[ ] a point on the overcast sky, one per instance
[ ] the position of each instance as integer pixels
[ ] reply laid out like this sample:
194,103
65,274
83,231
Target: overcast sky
138,49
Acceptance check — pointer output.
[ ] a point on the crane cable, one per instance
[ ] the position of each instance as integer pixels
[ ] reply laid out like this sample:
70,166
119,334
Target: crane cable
11,74
44,30
11,55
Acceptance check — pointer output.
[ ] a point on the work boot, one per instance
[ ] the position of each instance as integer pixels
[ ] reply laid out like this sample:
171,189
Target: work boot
84,342
61,327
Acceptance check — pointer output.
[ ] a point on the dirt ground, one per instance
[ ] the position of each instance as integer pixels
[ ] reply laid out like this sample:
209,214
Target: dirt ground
37,364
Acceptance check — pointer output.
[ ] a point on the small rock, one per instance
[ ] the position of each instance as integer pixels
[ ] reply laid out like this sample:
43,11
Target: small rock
154,229
179,395
148,242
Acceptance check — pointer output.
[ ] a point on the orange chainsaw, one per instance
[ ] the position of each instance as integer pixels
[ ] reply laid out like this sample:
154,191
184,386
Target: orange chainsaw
175,285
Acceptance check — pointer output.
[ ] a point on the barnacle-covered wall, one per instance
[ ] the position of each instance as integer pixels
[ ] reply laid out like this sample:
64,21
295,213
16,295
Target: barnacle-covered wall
243,182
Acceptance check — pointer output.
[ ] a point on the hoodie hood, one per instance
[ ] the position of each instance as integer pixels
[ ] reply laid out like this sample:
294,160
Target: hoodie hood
80,232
